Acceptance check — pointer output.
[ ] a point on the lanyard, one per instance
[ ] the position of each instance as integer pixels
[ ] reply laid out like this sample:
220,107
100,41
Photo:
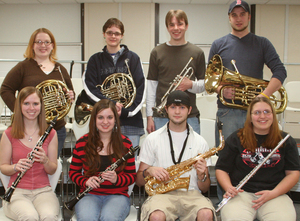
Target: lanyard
184,144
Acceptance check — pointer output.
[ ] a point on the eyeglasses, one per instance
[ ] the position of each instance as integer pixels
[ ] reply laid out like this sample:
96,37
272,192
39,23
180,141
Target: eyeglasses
46,43
258,113
110,33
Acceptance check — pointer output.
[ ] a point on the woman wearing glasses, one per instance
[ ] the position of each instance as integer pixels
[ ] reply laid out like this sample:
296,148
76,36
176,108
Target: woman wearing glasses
110,61
39,65
264,195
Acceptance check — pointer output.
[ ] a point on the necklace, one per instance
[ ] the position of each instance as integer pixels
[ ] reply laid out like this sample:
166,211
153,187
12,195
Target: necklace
30,136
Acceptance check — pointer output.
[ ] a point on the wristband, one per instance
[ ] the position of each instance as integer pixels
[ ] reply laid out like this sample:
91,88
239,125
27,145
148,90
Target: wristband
265,95
15,167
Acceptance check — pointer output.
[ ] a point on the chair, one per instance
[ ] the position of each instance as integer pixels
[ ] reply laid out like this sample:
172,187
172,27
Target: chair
3,127
207,128
77,86
293,97
208,133
207,105
53,179
80,130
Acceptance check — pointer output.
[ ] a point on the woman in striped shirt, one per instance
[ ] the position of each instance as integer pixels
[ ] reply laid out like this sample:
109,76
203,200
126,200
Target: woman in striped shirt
94,152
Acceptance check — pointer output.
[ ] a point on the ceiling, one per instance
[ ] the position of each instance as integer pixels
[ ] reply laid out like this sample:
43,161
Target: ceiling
285,2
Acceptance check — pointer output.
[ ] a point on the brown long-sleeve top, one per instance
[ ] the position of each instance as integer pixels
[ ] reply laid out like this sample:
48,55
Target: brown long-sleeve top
28,73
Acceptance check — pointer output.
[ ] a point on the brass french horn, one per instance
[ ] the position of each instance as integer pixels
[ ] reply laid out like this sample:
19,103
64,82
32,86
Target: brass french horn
56,99
246,88
119,87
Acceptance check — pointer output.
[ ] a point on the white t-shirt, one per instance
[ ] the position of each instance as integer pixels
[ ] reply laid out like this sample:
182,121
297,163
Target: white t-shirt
156,151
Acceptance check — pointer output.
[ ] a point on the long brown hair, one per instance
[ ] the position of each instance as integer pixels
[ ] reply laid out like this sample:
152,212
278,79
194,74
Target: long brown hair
17,124
29,53
94,143
247,136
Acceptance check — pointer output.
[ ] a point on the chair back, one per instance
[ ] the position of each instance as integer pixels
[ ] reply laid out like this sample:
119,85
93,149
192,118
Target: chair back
207,105
80,130
208,131
292,88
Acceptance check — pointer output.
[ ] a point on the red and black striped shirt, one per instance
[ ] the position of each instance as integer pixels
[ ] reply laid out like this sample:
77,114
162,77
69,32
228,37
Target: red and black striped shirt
124,179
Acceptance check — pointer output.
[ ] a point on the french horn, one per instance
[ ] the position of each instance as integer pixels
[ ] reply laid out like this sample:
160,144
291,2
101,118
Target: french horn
246,88
56,99
119,87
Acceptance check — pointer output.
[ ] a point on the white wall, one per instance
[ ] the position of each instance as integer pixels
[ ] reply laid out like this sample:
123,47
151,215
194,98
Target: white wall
20,21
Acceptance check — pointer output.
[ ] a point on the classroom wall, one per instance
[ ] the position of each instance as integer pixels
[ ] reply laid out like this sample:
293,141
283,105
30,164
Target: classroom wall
18,22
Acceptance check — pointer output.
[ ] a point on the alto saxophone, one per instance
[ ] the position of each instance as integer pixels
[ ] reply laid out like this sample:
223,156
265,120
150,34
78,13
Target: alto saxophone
154,186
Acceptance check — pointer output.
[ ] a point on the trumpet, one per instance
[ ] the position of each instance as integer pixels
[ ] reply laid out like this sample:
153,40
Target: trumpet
40,142
252,173
69,205
248,87
173,86
154,186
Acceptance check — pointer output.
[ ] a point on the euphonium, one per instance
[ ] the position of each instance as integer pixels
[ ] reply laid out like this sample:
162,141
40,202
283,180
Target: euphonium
119,87
246,88
56,99
173,86
154,186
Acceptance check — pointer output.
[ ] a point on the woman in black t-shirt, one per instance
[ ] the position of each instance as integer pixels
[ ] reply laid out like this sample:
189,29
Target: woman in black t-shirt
264,195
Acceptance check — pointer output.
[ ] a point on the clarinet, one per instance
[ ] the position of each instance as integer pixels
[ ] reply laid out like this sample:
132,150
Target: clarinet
252,173
69,205
39,143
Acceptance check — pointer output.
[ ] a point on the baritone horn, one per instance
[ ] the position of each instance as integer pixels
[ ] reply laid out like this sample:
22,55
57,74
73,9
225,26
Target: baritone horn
173,86
246,88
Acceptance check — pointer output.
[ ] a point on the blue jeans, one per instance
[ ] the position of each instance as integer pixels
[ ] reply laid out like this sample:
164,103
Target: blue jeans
193,121
103,208
232,120
61,136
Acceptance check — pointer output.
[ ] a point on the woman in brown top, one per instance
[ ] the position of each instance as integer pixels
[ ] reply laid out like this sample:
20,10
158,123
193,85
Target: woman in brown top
39,65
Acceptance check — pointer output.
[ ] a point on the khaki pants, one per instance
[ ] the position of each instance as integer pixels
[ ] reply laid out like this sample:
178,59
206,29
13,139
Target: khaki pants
38,204
177,204
240,208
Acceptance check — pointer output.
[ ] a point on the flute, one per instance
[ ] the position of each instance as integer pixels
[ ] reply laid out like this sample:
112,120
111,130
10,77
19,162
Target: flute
252,173
69,205
39,143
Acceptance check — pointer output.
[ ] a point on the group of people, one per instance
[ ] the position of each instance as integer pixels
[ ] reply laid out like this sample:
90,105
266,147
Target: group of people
173,137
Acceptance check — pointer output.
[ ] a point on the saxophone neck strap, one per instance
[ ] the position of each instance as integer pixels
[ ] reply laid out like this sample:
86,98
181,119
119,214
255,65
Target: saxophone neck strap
184,144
